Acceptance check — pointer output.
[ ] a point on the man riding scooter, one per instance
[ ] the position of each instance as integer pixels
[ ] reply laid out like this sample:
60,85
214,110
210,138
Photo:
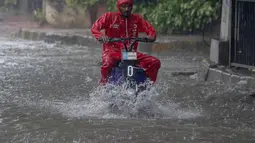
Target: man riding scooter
119,25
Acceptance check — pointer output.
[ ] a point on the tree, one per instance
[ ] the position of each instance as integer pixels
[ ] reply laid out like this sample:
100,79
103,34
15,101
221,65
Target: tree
178,16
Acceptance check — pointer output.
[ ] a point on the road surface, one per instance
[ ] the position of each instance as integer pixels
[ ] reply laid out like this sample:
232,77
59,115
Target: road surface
47,94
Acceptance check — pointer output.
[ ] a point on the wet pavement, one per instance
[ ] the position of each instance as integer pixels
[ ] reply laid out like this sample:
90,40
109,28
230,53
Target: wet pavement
47,94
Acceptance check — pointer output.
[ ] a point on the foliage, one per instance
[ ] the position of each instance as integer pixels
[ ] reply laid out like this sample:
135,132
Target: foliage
81,3
39,16
10,2
7,4
177,15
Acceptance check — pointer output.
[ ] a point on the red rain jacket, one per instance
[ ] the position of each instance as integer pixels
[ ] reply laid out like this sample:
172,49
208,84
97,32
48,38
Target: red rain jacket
116,26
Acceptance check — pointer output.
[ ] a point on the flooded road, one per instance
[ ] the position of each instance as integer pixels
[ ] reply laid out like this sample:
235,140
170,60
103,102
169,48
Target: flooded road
48,94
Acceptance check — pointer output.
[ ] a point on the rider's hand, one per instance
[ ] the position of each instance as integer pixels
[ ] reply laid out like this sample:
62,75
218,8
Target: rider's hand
103,39
150,38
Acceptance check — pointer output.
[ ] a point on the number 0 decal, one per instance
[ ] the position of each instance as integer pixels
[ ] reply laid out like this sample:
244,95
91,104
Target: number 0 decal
130,71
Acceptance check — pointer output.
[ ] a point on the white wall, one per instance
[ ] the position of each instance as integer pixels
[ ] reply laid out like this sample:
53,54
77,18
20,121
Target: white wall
226,20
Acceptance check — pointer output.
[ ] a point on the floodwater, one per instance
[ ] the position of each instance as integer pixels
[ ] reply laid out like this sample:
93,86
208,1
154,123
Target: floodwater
48,94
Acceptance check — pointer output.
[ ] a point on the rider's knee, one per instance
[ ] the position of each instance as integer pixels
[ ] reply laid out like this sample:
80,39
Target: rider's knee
157,62
107,65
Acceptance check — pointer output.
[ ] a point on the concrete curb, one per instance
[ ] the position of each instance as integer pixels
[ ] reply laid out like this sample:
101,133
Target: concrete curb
30,35
52,37
209,71
226,77
229,78
161,47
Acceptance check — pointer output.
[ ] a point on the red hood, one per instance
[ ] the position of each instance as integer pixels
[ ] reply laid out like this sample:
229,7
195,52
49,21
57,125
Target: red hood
120,2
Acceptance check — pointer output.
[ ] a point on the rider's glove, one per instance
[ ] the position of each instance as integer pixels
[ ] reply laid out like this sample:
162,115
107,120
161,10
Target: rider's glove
150,39
103,39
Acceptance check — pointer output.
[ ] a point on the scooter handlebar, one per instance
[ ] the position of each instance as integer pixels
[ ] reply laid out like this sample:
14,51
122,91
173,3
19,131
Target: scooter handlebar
135,39
143,39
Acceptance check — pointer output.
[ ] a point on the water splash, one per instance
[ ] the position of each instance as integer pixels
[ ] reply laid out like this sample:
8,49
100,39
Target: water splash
114,103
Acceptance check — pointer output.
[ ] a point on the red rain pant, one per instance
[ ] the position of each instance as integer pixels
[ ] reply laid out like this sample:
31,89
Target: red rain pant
149,63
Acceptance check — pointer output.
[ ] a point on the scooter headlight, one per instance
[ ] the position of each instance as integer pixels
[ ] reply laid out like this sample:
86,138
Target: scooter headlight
130,91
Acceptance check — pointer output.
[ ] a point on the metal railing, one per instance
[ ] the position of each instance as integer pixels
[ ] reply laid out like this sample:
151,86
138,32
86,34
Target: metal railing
243,35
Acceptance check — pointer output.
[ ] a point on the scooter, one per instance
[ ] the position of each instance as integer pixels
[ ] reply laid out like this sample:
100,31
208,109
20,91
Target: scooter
128,76
127,73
